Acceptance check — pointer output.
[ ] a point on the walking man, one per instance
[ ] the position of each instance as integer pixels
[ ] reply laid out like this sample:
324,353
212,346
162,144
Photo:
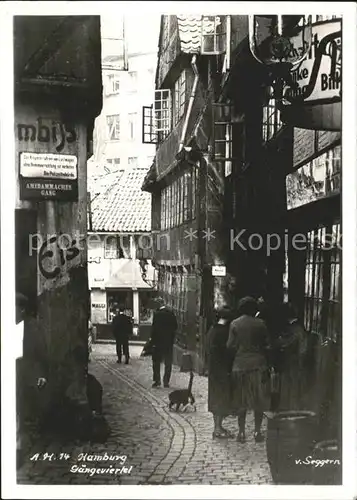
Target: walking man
164,327
122,329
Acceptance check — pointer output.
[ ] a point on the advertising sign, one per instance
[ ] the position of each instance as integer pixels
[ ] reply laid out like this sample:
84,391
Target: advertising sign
318,77
98,307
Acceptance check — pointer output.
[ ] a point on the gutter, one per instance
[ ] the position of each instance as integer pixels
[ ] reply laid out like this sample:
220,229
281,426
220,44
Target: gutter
190,103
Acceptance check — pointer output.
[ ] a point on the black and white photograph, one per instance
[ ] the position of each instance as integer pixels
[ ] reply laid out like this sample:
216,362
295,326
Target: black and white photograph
175,278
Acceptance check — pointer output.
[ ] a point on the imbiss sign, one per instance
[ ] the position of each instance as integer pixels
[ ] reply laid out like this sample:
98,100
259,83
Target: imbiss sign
48,158
48,176
319,75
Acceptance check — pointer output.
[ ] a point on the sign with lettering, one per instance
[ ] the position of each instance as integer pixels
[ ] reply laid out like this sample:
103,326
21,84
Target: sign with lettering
47,131
48,176
218,270
49,166
98,307
318,77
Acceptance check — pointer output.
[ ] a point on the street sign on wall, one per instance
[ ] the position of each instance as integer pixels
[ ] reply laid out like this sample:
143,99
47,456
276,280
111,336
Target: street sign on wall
218,270
48,176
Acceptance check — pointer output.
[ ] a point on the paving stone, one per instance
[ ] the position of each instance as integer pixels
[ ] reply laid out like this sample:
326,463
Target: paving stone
163,447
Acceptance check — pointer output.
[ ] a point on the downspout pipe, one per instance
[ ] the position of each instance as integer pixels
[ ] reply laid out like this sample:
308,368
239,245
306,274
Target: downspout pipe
190,103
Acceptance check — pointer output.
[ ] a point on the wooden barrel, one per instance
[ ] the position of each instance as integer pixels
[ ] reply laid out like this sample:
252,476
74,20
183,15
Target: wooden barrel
290,439
327,463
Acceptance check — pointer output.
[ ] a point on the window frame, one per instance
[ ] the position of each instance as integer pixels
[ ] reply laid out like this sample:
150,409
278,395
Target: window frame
332,162
217,37
323,282
114,127
115,250
180,97
271,121
112,82
163,113
133,163
133,122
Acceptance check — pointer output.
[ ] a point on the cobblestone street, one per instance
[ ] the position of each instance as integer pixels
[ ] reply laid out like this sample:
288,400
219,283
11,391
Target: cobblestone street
162,447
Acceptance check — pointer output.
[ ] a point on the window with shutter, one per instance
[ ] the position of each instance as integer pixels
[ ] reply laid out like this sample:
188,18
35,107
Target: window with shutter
163,113
149,132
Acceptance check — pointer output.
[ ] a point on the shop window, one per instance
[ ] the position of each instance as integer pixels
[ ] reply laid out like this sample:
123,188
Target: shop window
113,127
145,308
317,179
180,95
271,120
322,310
115,299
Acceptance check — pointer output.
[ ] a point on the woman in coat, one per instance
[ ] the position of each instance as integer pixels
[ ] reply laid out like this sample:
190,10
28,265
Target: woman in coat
292,347
219,368
248,342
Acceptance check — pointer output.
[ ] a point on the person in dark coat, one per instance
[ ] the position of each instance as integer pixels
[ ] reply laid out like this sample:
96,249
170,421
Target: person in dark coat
292,344
122,330
248,342
219,372
163,331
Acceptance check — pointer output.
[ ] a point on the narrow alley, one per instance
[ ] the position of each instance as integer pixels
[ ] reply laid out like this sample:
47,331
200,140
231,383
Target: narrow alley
161,446
177,185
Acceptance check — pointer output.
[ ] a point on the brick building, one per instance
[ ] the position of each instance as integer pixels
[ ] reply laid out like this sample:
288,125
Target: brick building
226,165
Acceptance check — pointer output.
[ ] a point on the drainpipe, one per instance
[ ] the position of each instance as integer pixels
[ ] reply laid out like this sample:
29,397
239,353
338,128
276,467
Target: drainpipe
190,103
228,48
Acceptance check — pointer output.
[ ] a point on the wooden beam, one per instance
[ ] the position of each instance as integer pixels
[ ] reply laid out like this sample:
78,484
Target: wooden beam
51,45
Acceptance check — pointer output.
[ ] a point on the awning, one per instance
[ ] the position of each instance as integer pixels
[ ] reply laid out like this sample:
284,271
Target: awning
117,273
